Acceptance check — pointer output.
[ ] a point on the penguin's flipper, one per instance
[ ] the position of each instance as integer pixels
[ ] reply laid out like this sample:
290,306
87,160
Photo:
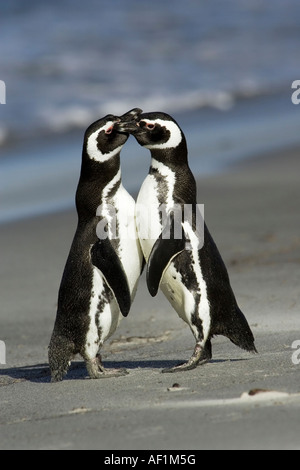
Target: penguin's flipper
170,243
105,258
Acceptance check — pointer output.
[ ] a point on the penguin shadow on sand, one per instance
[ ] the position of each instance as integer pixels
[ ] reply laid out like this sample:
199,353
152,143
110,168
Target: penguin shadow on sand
40,373
31,373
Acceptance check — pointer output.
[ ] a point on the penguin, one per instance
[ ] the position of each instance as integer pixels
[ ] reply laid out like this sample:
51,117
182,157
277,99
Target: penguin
105,261
181,255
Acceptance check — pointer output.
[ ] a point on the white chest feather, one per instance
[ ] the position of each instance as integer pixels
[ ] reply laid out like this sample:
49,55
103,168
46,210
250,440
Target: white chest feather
186,301
119,211
104,312
154,201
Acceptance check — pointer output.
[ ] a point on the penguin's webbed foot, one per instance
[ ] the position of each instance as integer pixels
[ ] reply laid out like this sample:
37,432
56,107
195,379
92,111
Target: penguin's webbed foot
96,369
199,357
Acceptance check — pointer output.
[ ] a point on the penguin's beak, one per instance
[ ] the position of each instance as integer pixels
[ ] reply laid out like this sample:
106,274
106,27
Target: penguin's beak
128,122
130,126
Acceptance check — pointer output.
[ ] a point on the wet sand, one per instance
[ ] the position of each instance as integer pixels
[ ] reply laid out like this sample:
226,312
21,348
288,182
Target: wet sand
253,214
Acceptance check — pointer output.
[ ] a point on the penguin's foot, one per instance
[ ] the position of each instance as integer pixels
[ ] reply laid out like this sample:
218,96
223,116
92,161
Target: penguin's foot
96,370
200,356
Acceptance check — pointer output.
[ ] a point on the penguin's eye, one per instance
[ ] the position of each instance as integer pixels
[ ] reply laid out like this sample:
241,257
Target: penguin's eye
147,125
109,130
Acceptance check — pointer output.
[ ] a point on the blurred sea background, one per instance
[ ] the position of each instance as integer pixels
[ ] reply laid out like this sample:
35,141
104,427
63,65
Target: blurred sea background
222,68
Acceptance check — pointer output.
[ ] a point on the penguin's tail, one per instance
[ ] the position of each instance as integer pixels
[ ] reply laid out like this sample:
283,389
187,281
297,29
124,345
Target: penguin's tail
60,354
239,332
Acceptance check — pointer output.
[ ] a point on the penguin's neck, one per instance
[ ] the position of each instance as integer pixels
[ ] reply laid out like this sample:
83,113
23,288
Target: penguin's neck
175,174
98,182
174,157
100,172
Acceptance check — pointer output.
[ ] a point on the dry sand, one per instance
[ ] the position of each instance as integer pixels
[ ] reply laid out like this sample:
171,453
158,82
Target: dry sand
253,214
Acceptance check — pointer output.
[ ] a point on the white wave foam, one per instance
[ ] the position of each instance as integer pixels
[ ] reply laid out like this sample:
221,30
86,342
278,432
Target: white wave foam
69,117
60,119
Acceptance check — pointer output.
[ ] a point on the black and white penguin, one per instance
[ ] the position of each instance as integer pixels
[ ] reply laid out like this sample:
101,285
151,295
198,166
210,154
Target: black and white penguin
188,268
105,260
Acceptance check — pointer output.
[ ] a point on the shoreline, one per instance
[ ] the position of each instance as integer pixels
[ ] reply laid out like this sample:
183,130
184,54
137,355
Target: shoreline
252,213
69,204
42,176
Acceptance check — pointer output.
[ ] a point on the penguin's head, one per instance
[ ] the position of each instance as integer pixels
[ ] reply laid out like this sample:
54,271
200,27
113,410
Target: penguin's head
102,140
154,130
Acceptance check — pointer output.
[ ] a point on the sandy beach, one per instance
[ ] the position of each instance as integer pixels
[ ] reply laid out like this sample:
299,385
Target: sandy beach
252,212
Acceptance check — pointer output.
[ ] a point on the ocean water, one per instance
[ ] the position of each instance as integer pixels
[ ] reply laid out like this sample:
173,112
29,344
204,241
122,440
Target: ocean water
222,68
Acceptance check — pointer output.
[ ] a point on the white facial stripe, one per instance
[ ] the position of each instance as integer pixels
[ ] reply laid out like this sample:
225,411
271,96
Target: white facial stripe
92,146
175,134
